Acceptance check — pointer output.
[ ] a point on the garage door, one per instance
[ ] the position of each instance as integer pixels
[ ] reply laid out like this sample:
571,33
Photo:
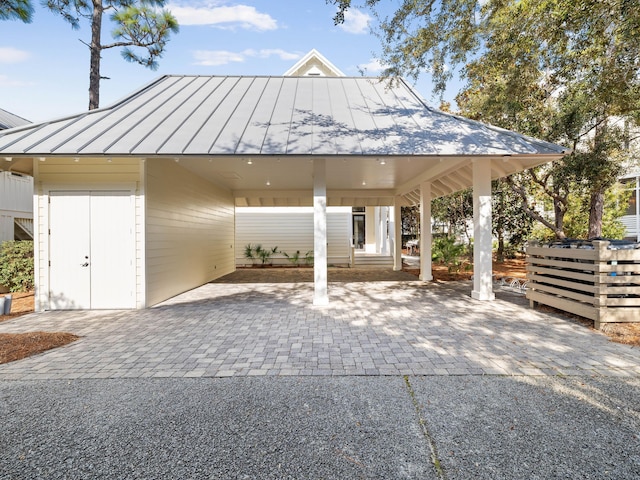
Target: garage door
91,250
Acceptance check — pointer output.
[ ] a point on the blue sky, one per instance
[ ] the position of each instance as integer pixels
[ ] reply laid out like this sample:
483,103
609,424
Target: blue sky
44,66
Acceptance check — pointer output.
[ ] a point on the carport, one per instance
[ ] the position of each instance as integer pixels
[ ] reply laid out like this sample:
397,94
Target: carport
134,203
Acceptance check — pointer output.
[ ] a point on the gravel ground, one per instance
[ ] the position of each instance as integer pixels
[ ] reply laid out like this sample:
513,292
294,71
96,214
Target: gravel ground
322,427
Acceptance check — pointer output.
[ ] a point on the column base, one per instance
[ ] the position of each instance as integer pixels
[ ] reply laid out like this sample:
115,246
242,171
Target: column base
320,301
483,296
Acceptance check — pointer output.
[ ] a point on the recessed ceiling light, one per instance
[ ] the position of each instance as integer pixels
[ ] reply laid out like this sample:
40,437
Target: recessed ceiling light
268,183
249,162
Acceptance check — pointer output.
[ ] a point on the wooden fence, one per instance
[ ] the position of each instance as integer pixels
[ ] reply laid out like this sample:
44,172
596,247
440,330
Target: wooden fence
599,283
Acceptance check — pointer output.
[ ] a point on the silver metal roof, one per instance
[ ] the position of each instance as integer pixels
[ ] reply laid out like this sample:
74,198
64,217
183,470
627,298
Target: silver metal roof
9,120
222,115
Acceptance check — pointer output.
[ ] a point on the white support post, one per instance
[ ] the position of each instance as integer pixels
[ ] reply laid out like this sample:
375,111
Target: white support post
320,296
482,259
395,228
426,274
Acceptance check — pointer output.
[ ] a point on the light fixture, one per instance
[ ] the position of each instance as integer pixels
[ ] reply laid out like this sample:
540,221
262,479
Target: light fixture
42,159
76,159
364,183
249,162
8,159
109,160
268,183
176,159
382,161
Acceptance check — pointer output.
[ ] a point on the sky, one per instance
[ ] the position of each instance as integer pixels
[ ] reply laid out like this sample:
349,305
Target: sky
44,65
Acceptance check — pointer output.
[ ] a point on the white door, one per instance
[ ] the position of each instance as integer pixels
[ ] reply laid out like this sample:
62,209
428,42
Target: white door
92,250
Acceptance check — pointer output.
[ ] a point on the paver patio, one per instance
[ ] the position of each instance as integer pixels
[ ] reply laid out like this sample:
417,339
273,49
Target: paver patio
405,327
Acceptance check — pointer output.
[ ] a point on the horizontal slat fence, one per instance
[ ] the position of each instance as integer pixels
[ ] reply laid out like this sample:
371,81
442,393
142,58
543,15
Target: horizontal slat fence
599,283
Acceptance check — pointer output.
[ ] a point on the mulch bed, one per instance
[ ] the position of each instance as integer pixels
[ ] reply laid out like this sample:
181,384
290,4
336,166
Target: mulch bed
15,346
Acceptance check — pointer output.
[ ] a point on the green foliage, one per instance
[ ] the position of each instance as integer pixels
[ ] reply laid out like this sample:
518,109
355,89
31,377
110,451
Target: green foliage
294,259
510,222
454,211
308,257
140,24
576,220
560,70
264,254
249,252
16,10
16,265
446,251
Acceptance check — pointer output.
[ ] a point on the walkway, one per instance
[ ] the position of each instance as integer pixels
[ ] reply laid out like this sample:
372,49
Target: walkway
370,328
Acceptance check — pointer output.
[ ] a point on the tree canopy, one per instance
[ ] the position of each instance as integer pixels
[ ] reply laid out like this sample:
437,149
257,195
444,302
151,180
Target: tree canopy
16,10
567,71
140,24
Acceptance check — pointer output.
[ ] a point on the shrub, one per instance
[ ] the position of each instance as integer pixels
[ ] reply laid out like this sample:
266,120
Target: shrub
16,265
445,250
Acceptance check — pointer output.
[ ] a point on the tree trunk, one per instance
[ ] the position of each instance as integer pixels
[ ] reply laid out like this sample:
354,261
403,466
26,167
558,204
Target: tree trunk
95,48
500,252
558,213
596,210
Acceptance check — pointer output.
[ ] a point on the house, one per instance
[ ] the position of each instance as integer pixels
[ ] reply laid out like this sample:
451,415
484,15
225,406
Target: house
16,193
136,202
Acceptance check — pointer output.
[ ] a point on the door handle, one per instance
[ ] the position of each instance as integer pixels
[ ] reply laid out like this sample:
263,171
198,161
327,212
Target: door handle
85,264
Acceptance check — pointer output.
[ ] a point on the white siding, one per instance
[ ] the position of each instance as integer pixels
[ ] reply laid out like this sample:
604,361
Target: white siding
630,224
291,229
16,201
66,174
189,230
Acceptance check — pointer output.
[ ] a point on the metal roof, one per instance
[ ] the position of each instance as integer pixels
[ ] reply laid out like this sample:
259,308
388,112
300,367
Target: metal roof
9,120
226,115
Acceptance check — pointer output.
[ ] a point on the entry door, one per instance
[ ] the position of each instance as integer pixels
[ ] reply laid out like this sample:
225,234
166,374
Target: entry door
91,250
359,234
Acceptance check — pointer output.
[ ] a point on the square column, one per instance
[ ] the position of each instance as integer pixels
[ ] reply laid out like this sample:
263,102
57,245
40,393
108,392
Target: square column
482,235
395,228
426,274
320,296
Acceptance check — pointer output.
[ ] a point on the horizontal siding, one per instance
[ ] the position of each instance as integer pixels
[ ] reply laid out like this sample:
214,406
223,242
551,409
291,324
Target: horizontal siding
88,170
189,231
16,193
291,230
629,221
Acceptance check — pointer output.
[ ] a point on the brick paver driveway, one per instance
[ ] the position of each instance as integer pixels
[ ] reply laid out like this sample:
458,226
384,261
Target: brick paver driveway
403,327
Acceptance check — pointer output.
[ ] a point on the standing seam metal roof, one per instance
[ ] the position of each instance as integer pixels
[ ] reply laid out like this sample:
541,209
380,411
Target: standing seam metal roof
214,115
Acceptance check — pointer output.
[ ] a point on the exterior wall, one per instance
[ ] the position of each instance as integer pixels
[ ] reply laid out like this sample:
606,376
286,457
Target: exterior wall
85,174
291,229
16,201
189,230
632,222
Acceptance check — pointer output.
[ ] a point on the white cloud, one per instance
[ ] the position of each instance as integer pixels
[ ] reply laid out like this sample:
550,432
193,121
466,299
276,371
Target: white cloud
374,66
214,58
356,22
13,55
243,16
284,55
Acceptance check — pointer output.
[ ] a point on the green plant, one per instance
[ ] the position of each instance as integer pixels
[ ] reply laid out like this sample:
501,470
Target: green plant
308,257
294,259
16,265
265,254
249,253
449,253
